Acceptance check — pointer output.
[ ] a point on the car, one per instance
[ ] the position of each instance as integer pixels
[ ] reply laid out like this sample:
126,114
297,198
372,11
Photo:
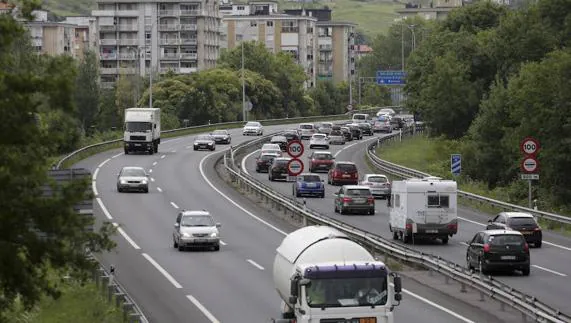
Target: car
398,122
379,184
325,128
343,172
491,250
320,161
355,131
204,142
354,198
271,148
386,111
307,130
280,141
383,125
264,161
347,133
291,135
132,178
221,136
308,184
278,168
319,140
360,117
336,137
518,221
366,128
253,128
195,229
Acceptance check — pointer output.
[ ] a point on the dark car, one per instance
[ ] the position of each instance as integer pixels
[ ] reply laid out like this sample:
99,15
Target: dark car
281,141
278,168
354,198
347,133
518,221
291,135
264,161
343,172
398,122
355,131
366,128
221,136
204,142
320,161
498,250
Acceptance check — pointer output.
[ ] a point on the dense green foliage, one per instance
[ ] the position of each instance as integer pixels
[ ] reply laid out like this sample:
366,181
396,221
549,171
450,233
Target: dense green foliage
491,76
38,114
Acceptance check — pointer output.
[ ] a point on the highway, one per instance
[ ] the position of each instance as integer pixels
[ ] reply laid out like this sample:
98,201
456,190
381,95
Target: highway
233,285
551,265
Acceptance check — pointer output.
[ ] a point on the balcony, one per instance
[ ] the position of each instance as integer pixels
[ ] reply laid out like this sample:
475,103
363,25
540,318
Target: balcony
169,41
193,56
127,56
128,42
127,70
107,56
127,13
169,27
189,41
194,12
170,56
171,13
325,47
108,42
107,28
188,70
108,70
192,27
103,13
128,27
169,69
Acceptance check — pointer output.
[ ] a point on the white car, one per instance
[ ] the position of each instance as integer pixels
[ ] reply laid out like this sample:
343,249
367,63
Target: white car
306,130
253,128
271,149
196,228
389,112
379,184
319,140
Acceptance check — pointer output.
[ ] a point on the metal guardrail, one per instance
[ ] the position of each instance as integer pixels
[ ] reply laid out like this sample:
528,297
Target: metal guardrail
221,124
528,305
405,172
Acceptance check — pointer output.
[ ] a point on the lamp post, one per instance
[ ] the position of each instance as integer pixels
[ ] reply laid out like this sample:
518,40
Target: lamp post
413,41
243,83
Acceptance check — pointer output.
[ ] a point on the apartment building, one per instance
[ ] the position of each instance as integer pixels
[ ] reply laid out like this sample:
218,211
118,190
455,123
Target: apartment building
260,21
145,36
85,34
52,38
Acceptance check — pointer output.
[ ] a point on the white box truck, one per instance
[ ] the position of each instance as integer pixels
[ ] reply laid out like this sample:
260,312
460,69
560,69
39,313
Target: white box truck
423,208
142,130
322,275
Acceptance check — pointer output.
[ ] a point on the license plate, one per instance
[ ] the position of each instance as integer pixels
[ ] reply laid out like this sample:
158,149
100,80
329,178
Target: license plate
508,257
137,145
346,176
431,231
310,185
200,240
527,232
359,200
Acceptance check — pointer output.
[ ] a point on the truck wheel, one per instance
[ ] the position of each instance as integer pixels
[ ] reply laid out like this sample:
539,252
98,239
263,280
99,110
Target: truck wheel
395,235
444,240
216,248
406,238
126,151
342,210
156,148
180,247
174,244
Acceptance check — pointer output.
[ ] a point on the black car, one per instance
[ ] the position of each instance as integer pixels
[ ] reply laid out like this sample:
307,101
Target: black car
291,135
204,142
264,161
347,133
221,136
366,128
278,168
398,122
518,221
498,250
281,141
356,132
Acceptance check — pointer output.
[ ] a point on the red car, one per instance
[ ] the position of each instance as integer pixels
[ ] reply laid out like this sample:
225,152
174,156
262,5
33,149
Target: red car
320,161
343,172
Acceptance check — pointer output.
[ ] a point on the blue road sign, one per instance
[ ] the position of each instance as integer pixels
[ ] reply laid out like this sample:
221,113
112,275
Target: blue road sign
455,164
391,78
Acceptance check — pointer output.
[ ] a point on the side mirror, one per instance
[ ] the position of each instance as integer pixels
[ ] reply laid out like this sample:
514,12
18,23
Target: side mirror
293,290
218,225
176,225
397,281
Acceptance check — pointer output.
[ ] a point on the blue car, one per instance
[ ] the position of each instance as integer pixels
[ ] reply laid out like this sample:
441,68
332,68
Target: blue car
309,184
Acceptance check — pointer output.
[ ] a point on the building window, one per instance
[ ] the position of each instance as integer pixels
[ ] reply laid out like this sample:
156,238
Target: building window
310,30
253,24
240,8
239,37
269,23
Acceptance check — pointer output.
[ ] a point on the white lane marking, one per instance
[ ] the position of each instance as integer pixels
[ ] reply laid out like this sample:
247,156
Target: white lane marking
244,161
163,156
463,243
201,168
95,173
152,179
155,163
104,209
549,270
188,147
173,140
162,271
94,188
442,308
115,156
174,150
253,263
150,170
223,243
546,242
356,143
104,162
124,234
174,205
202,309
159,189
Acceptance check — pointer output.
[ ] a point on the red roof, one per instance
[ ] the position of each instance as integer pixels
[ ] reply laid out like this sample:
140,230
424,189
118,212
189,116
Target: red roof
364,49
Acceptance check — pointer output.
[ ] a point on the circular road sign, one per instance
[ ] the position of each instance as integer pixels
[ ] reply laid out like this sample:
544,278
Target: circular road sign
295,148
295,167
529,146
349,107
529,165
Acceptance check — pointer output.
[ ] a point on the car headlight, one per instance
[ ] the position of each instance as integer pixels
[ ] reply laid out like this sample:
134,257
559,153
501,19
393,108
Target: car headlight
123,181
144,181
214,234
186,235
209,144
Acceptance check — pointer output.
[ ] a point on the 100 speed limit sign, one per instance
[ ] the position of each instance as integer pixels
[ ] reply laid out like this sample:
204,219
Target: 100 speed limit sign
529,146
295,148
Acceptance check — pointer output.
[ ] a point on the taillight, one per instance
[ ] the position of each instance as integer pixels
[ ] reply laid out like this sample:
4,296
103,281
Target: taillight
486,248
526,247
347,199
408,227
537,229
355,175
371,200
453,227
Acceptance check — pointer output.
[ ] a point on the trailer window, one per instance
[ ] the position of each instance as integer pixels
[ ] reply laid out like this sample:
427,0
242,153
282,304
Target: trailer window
438,201
397,200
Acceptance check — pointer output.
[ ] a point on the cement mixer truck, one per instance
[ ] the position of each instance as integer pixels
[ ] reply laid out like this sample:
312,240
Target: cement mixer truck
323,276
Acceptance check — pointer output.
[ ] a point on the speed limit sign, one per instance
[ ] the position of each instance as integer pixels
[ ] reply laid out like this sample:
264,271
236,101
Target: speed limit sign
295,148
529,146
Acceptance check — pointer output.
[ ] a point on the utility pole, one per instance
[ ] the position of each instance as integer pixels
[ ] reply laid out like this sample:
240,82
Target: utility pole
243,83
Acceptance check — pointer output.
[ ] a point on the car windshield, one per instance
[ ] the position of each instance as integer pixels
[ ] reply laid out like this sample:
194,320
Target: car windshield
311,178
278,139
252,124
347,167
326,125
133,172
506,239
521,221
377,179
319,137
335,133
306,126
203,138
346,292
359,117
196,221
322,156
358,192
219,132
267,157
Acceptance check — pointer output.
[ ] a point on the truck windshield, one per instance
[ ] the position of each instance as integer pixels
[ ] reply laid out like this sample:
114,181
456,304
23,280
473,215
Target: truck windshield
138,126
346,292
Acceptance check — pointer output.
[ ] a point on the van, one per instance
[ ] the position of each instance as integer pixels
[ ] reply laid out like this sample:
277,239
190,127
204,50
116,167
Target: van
423,208
360,117
306,130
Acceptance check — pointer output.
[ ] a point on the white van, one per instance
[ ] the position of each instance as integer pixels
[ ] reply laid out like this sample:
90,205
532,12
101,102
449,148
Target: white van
360,118
423,208
306,130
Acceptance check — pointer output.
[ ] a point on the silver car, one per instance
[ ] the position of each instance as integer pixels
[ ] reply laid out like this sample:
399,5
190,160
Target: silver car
378,184
132,179
204,142
319,140
196,229
253,128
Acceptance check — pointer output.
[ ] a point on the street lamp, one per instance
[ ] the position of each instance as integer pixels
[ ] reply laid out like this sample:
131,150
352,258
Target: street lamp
243,83
413,41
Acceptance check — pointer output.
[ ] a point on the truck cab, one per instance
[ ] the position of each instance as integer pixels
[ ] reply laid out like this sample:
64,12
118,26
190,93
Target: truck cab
142,130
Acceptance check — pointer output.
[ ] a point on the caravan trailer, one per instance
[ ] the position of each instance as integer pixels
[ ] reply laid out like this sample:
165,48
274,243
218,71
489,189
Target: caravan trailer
423,208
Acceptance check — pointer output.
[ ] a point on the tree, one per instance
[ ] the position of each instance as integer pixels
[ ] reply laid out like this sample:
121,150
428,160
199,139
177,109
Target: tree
87,90
124,94
26,257
373,94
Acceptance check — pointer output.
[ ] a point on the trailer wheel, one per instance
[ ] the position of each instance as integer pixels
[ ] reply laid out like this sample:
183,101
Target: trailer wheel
444,240
395,235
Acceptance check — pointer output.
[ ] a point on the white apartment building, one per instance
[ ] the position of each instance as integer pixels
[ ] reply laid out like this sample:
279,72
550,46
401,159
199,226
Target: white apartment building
143,36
